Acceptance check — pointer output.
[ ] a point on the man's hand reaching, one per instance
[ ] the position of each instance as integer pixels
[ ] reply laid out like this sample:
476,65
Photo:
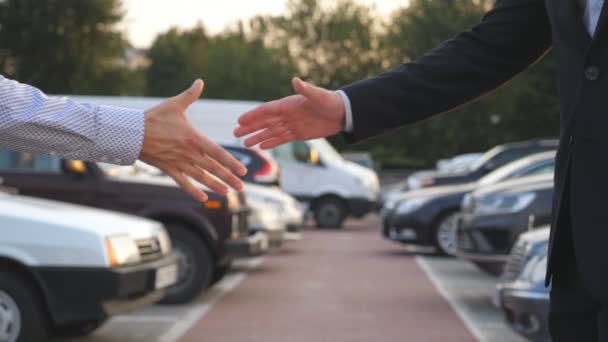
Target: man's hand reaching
313,113
172,144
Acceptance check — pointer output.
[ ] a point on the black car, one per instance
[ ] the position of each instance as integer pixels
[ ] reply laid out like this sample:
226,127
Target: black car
205,236
429,216
261,165
493,218
521,291
490,161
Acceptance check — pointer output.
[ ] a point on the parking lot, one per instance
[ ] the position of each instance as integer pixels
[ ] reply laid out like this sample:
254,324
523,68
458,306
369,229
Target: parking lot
347,285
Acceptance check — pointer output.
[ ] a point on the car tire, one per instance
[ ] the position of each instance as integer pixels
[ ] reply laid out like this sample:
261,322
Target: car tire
494,269
21,305
330,213
79,330
445,234
195,265
220,273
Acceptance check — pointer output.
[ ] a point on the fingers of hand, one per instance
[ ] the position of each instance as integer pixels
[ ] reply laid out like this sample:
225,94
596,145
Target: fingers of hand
205,178
262,117
277,141
215,168
187,185
207,147
308,90
272,132
192,94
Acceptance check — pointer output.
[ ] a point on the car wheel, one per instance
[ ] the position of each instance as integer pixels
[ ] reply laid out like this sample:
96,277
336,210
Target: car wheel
220,273
79,330
494,269
22,316
195,265
446,235
330,212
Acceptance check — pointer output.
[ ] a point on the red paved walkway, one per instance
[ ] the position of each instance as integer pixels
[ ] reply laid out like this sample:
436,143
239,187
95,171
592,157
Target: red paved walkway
344,286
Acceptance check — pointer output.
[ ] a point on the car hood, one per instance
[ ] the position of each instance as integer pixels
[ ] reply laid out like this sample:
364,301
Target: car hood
97,221
275,194
436,191
529,183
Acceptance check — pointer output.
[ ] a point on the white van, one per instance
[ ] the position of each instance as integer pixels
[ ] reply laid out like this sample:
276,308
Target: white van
65,269
312,171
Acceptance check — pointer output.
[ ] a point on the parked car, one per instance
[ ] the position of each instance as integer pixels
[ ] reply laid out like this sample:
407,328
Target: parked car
289,208
203,235
315,173
262,168
493,218
490,161
266,219
521,292
430,216
312,171
66,269
457,163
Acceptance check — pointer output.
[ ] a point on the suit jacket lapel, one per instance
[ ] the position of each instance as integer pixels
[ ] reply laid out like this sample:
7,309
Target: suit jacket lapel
601,23
571,11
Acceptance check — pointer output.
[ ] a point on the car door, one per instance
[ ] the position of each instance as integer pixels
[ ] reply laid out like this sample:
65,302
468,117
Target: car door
298,177
45,176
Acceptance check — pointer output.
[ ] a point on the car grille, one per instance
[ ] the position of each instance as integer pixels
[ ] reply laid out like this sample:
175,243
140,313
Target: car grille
149,249
517,261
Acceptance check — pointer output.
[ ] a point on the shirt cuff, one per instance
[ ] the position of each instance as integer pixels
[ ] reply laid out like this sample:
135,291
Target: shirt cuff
348,112
120,135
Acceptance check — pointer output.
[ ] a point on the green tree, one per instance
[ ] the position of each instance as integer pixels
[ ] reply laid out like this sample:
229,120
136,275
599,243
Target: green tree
241,67
176,60
333,43
64,46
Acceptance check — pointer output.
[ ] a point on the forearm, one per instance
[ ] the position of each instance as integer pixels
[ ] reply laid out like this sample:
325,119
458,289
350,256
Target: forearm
33,122
511,37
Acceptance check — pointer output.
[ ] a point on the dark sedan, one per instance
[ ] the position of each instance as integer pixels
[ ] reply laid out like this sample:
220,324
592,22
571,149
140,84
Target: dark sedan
490,161
429,216
521,292
493,218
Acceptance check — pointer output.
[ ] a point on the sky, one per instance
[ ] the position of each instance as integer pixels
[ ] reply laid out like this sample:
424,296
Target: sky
145,18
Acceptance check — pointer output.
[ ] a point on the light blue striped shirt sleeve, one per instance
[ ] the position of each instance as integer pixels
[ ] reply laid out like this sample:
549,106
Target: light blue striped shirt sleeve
31,121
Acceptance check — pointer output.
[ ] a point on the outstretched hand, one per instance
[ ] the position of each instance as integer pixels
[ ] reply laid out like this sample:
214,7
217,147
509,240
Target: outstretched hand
313,113
173,145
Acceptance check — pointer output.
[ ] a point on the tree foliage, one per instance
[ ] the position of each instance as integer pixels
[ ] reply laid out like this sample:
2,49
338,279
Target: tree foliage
64,46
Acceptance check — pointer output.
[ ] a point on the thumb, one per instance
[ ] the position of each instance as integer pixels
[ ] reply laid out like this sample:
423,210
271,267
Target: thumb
192,94
308,90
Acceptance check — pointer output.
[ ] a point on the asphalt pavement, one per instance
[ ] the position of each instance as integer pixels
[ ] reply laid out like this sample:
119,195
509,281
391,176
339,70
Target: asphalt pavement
348,285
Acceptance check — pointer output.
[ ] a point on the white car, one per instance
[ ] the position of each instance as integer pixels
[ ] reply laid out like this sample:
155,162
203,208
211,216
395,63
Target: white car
266,219
290,210
66,269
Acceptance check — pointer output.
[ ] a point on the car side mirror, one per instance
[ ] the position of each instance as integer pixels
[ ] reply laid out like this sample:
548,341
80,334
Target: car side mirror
76,167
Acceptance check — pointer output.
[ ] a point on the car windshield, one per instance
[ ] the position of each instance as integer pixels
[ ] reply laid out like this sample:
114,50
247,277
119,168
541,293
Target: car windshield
326,150
505,172
485,158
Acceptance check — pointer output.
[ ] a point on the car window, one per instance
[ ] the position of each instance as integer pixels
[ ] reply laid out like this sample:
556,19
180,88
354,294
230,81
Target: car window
285,152
548,168
11,160
508,156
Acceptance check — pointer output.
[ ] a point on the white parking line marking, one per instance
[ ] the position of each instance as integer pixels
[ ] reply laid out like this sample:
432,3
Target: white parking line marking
145,319
198,311
456,305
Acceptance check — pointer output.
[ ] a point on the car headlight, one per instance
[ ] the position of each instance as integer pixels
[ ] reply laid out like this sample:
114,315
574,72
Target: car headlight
122,250
505,203
409,205
535,270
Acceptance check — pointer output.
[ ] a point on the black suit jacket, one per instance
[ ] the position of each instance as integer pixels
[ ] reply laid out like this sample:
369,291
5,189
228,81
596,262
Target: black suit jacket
510,38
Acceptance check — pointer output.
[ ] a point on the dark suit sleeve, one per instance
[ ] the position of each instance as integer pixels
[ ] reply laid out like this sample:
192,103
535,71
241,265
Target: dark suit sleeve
510,37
